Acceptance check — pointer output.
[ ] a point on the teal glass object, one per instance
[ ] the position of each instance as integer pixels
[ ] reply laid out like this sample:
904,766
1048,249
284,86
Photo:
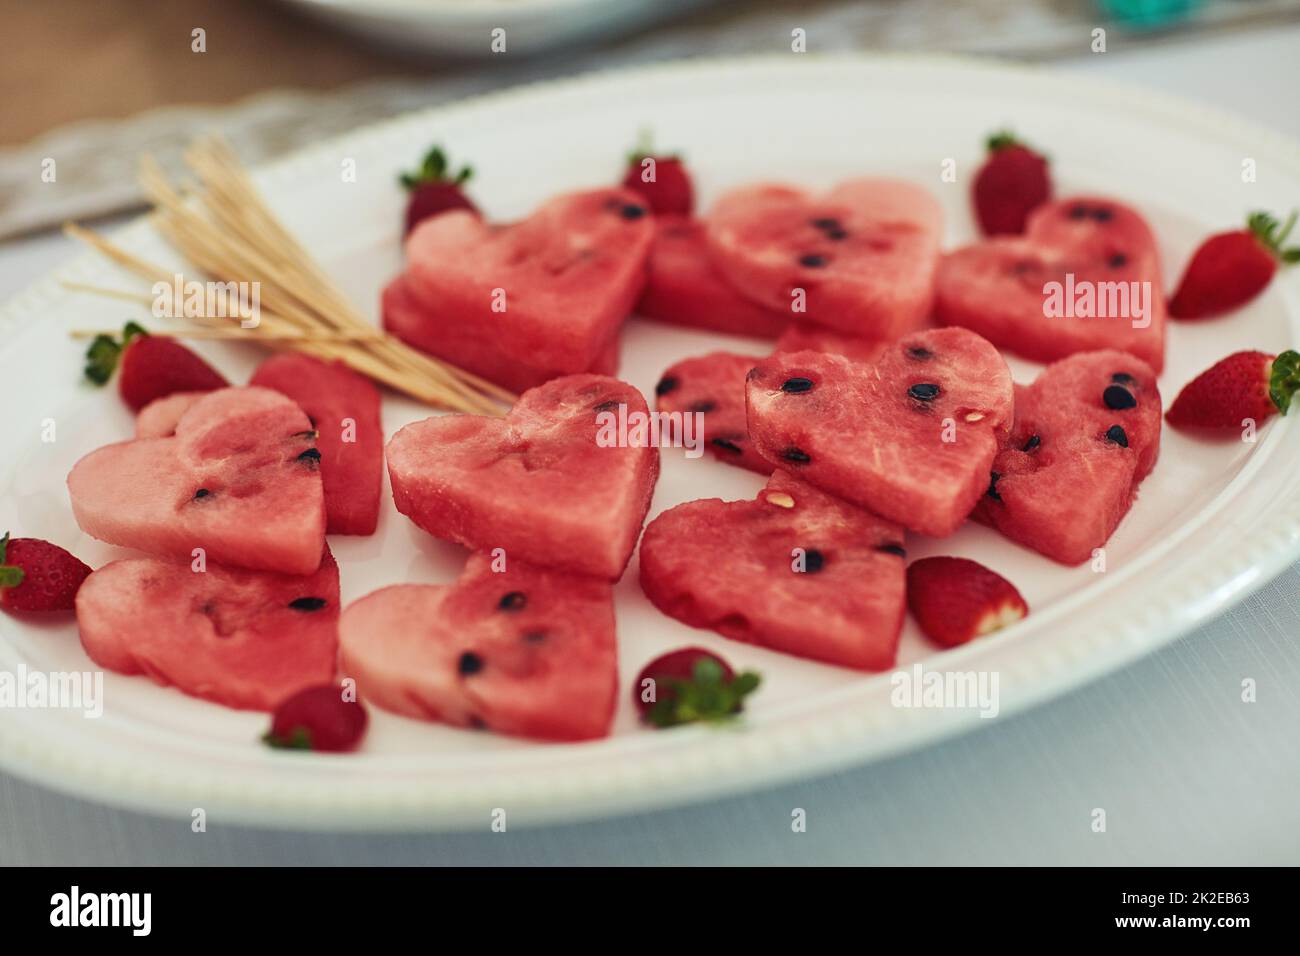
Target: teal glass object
1149,14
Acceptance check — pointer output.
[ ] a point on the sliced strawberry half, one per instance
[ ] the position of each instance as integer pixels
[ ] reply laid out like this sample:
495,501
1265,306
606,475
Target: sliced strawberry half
956,600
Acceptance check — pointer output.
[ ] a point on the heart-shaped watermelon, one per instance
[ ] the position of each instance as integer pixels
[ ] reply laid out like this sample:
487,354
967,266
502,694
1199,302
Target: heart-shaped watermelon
714,386
795,570
526,651
551,483
245,639
1039,295
910,437
1086,433
684,288
343,408
526,302
864,253
240,478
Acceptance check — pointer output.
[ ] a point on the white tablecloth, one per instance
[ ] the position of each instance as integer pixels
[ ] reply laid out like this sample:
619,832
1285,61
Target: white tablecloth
1187,773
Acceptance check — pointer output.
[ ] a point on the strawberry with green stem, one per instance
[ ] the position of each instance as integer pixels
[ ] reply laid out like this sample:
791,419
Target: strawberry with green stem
1231,268
151,366
1011,184
664,182
38,576
691,685
435,189
1245,385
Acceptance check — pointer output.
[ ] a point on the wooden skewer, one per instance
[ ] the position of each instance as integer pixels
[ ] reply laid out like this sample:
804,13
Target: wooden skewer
234,333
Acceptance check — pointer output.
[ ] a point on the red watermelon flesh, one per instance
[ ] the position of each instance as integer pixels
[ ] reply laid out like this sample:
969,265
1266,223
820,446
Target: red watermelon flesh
684,288
245,639
239,478
527,651
344,409
570,274
714,385
1060,485
158,419
996,287
537,483
911,437
864,253
729,566
808,337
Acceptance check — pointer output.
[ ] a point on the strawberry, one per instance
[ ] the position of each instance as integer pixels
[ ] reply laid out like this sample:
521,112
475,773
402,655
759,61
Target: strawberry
1244,385
1231,268
38,576
669,192
152,366
691,685
956,600
434,190
317,718
1012,182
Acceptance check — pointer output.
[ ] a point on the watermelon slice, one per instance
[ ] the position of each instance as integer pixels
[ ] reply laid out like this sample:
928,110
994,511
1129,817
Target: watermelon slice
527,651
911,438
684,288
523,303
730,566
1090,247
239,478
344,410
1086,433
809,337
246,639
537,483
864,253
714,385
158,419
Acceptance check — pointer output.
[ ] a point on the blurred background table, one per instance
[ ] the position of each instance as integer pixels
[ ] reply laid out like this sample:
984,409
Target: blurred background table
1187,773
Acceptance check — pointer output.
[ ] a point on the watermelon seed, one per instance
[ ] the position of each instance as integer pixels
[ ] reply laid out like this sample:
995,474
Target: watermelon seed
307,604
1124,378
1118,397
1117,260
826,222
1102,215
535,637
920,354
514,601
836,234
993,486
812,260
1117,435
1031,443
726,443
797,385
704,406
780,499
631,212
1078,212
477,722
606,406
891,547
796,455
924,391
666,385
202,493
813,561
470,663
974,416
311,455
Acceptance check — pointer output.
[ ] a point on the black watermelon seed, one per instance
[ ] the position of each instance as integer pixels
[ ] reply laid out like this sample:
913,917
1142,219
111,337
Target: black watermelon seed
1117,435
513,601
631,212
1124,378
726,443
1118,397
606,406
892,548
836,235
1102,215
470,663
796,455
797,385
666,385
812,260
813,561
826,222
704,406
202,493
1117,260
924,391
1032,442
1078,212
993,486
920,354
535,637
307,604
311,454
477,722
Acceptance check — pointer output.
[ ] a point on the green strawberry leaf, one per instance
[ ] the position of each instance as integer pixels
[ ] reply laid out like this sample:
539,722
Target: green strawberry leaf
1284,379
434,169
299,739
10,575
105,352
707,697
1001,140
1272,234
